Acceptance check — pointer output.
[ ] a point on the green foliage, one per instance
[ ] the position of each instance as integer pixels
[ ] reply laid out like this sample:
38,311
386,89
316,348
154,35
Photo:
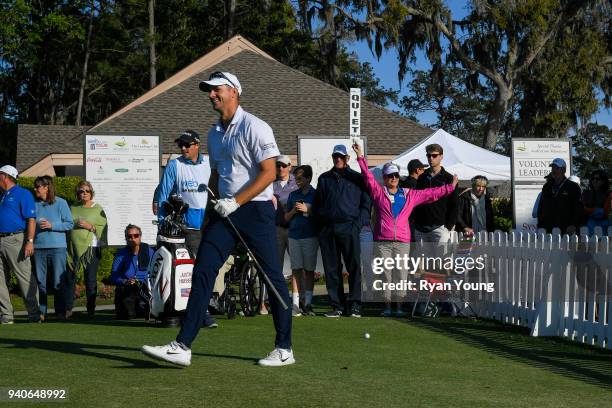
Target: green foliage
593,146
502,223
106,263
502,210
559,91
461,111
508,68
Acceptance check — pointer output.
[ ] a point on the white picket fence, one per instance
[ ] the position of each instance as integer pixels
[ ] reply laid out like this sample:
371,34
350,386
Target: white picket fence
556,285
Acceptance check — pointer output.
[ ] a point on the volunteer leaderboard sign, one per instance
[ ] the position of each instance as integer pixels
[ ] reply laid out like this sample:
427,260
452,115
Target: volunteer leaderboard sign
124,172
531,160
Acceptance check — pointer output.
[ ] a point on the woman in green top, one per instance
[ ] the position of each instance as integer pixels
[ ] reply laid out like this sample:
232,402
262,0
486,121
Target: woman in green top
85,243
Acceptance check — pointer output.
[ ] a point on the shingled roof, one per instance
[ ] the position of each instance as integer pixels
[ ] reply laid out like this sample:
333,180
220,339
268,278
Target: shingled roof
37,141
292,102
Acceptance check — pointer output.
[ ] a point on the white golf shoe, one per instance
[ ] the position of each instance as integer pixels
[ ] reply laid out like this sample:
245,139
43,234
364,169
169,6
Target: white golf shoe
278,357
172,353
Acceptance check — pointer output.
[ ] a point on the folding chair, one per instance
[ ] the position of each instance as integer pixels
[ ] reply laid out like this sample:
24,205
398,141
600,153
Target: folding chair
430,309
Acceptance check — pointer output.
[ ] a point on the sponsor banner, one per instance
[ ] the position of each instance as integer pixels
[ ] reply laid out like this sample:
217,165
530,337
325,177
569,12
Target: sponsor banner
531,160
124,172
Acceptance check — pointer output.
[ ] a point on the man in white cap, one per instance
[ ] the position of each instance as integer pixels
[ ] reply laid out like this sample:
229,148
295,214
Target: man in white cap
341,207
17,229
243,153
561,201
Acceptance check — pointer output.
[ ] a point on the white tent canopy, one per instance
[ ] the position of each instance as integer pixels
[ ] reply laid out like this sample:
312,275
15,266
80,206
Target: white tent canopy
460,157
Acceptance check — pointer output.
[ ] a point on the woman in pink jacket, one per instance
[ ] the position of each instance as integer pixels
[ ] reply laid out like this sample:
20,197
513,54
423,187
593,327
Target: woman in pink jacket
393,207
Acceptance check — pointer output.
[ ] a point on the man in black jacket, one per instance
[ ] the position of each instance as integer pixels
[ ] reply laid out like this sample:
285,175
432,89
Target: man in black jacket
433,222
415,169
475,212
561,202
341,206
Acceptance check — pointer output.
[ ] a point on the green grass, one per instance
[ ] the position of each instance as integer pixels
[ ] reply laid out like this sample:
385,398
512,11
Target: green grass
19,306
434,362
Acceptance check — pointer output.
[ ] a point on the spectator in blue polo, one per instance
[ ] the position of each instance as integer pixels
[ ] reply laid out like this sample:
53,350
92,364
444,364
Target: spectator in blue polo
17,229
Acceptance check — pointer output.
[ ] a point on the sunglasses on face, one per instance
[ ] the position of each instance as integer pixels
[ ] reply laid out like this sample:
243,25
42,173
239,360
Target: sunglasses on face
39,186
432,155
283,165
393,175
337,156
186,145
128,236
220,74
83,191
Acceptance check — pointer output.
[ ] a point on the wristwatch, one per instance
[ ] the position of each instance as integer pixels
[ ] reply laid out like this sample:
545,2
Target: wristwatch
31,240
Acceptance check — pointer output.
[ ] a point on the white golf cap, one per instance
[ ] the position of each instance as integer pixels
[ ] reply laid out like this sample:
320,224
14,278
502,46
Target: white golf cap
221,78
10,170
390,168
559,162
283,159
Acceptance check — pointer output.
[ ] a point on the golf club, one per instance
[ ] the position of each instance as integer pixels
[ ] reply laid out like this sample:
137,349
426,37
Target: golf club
259,268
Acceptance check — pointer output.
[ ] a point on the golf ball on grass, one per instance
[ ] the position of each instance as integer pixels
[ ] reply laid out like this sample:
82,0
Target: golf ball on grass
366,335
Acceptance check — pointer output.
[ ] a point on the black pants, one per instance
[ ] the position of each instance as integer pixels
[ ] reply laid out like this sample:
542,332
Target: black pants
128,302
192,240
336,241
90,275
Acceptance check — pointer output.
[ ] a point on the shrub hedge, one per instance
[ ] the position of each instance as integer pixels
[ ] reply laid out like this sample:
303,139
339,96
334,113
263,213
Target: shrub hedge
502,213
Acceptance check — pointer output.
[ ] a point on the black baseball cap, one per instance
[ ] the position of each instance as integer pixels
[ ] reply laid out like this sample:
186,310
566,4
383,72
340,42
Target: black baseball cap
415,164
188,136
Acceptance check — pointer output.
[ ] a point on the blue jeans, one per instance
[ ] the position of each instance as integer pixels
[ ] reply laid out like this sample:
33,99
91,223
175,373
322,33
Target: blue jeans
53,261
255,222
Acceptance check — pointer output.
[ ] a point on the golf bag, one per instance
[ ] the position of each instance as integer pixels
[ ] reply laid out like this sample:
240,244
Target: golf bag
171,267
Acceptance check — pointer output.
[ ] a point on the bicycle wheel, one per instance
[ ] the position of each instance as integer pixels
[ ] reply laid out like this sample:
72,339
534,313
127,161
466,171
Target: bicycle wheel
250,289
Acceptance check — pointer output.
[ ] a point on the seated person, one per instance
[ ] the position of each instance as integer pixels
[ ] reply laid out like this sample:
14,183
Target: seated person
129,273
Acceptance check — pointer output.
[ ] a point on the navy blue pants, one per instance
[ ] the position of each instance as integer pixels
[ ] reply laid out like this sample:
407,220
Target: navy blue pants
255,222
337,242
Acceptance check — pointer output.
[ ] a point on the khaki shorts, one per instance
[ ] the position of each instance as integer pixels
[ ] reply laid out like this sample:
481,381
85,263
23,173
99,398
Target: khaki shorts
303,253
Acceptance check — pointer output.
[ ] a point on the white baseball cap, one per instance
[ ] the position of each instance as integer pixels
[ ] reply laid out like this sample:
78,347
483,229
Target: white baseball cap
390,168
10,170
218,78
283,159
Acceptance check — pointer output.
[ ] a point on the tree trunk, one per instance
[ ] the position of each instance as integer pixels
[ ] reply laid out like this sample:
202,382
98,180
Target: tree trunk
152,57
85,64
496,115
230,13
